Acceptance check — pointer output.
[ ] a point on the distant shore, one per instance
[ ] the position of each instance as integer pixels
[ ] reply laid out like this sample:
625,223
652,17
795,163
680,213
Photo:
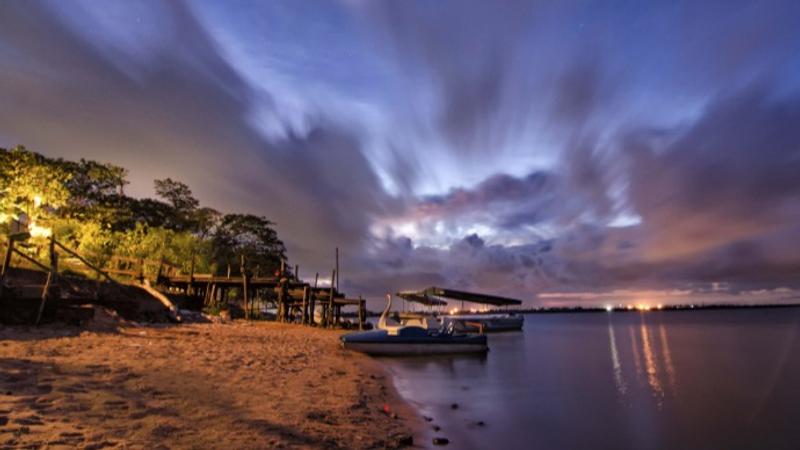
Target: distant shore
615,308
236,385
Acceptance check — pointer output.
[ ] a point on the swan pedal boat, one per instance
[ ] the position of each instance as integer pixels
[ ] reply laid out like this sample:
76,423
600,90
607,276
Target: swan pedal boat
396,339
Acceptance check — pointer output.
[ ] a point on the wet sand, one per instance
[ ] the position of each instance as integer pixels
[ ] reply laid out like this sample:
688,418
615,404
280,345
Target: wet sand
240,385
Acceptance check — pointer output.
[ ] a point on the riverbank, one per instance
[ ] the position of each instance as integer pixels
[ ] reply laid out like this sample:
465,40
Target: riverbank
237,385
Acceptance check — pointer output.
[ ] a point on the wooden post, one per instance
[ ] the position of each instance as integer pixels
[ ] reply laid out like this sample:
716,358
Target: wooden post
311,307
281,301
229,270
212,296
6,265
337,268
297,272
140,277
329,315
190,288
361,312
51,278
160,269
244,289
304,316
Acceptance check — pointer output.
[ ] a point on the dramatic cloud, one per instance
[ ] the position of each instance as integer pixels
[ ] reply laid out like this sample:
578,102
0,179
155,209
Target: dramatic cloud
520,147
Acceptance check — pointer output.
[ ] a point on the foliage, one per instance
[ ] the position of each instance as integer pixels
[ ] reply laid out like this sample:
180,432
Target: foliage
251,237
31,186
84,205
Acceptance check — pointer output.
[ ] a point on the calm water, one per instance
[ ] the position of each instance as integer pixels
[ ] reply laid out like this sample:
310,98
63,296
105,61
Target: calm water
665,380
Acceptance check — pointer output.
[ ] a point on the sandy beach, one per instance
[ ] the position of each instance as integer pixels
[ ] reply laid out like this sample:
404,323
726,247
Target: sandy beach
235,385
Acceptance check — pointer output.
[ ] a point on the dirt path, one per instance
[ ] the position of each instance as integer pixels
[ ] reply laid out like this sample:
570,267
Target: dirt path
242,385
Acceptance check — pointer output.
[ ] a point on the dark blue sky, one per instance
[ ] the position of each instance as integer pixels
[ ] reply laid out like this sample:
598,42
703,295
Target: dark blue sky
516,147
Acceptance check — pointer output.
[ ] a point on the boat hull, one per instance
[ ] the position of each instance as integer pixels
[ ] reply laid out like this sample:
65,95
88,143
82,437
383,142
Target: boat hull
490,324
401,349
413,341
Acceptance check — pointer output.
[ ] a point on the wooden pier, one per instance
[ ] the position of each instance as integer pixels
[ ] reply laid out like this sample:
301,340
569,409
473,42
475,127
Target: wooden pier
293,299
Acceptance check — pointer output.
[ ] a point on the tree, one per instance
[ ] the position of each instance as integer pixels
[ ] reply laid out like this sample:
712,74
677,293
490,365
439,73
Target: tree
32,188
96,191
177,194
183,203
250,236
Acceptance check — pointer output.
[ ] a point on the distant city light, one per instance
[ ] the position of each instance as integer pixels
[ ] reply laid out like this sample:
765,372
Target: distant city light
609,308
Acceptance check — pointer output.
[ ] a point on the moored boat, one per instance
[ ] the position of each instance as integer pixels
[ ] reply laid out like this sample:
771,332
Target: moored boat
412,338
489,322
414,341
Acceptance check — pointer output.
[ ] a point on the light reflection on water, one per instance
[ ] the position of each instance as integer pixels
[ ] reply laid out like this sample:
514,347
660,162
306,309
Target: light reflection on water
620,380
622,386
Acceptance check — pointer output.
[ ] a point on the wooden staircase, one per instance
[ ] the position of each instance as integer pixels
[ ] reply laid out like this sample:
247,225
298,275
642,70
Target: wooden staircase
41,293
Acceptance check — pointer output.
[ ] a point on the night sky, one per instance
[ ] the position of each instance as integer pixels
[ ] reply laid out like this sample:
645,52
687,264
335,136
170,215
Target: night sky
554,151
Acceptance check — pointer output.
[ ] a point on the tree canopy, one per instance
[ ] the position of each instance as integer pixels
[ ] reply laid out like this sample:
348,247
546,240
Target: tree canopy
84,204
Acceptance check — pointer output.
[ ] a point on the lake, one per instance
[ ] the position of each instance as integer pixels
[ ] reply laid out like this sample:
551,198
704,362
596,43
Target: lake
707,379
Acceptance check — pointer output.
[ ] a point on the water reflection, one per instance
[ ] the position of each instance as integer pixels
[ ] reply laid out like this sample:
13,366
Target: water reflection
711,379
622,386
650,361
671,375
635,351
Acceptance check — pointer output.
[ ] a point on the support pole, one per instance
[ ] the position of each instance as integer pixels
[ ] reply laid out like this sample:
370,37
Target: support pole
51,278
329,315
337,269
362,313
190,288
6,265
311,309
244,289
304,317
140,277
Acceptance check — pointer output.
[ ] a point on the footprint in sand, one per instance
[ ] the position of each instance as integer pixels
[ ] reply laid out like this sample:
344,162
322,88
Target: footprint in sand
29,420
116,404
77,388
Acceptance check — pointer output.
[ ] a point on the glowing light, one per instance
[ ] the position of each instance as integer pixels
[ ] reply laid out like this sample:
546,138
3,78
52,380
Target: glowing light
609,308
660,306
4,217
454,311
37,231
37,201
630,307
643,307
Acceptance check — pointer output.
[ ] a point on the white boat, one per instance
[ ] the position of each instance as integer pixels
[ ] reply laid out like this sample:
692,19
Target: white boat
393,338
434,296
488,322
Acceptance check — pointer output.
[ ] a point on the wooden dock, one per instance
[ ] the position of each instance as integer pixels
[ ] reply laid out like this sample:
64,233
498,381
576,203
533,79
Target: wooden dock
293,299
